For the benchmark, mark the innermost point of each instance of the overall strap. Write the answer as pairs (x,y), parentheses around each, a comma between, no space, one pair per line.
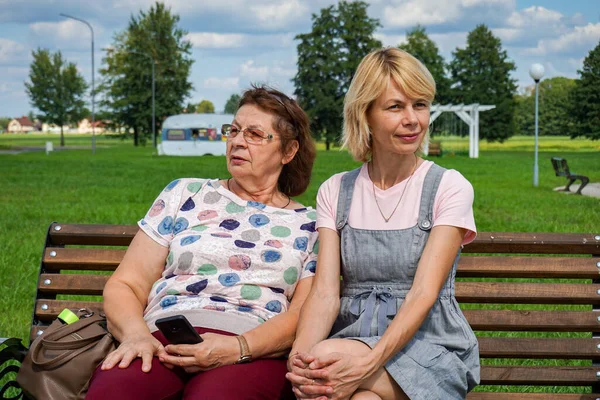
(430,187)
(345,197)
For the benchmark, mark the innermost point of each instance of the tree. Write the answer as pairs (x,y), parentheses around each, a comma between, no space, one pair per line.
(481,74)
(585,101)
(327,58)
(419,45)
(205,107)
(152,36)
(190,108)
(231,106)
(554,113)
(4,121)
(56,89)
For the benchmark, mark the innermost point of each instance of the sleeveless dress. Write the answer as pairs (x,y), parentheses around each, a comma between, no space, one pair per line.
(378,268)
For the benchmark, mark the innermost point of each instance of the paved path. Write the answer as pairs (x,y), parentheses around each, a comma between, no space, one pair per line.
(591,189)
(19,150)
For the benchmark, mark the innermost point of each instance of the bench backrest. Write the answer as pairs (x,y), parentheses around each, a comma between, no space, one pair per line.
(531,297)
(560,167)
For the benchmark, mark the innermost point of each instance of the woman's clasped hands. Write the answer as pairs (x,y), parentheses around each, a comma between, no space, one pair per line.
(332,376)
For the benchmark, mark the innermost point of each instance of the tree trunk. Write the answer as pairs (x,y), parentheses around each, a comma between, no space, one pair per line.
(62,137)
(135,136)
(327,143)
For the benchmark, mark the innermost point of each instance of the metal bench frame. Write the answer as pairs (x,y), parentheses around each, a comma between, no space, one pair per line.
(561,168)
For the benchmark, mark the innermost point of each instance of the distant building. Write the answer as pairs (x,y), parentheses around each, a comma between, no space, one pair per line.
(53,128)
(20,125)
(85,126)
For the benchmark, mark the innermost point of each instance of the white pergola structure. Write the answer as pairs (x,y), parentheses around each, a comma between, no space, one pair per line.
(470,115)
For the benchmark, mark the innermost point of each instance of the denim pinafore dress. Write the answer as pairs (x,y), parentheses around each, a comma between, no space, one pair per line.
(378,267)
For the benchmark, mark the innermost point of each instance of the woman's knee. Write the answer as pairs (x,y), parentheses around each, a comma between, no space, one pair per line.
(132,383)
(364,395)
(339,346)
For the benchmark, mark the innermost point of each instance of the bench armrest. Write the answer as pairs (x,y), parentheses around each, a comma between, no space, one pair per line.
(13,350)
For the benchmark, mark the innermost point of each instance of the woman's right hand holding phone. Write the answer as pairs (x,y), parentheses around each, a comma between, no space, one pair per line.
(144,346)
(216,350)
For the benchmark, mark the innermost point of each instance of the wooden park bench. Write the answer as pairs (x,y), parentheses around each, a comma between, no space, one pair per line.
(561,168)
(435,149)
(533,299)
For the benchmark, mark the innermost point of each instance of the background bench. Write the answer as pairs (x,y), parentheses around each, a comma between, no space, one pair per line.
(533,298)
(561,168)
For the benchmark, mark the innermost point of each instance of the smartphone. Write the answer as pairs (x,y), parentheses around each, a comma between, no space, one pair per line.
(178,330)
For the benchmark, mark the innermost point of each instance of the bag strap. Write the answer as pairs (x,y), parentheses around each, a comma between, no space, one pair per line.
(69,329)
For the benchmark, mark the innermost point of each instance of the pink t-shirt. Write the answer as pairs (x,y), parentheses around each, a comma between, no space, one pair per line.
(453,203)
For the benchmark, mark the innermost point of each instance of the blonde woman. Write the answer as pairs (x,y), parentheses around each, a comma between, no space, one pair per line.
(393,229)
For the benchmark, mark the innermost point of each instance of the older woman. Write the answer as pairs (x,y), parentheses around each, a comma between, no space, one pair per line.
(235,256)
(394,228)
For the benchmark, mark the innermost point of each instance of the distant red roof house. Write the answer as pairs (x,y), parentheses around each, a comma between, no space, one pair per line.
(19,125)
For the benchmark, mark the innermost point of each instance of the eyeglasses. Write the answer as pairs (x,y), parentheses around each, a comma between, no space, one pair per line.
(251,135)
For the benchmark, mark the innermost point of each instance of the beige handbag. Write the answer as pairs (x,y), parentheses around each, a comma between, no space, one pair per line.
(61,361)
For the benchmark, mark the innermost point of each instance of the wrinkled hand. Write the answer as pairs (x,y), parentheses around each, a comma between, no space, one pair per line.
(216,350)
(307,383)
(342,372)
(144,346)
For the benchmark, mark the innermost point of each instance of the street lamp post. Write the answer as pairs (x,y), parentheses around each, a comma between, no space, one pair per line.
(536,72)
(93,89)
(153,90)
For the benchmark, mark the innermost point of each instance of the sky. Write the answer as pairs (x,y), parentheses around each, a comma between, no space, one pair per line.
(238,42)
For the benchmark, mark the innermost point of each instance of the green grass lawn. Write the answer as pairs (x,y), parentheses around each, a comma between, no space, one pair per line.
(118,184)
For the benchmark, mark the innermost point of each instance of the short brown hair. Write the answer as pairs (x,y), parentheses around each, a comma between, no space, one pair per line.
(292,123)
(369,82)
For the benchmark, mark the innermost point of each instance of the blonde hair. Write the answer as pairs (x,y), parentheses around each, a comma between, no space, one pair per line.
(370,81)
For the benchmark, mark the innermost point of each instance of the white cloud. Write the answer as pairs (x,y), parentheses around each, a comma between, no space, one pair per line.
(254,73)
(390,40)
(213,40)
(64,34)
(276,15)
(580,38)
(408,13)
(12,52)
(508,34)
(222,83)
(534,16)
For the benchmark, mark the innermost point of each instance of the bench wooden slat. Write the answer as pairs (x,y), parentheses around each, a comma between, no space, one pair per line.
(538,321)
(539,376)
(90,234)
(535,243)
(472,292)
(527,293)
(511,347)
(486,242)
(483,320)
(72,284)
(528,267)
(54,307)
(57,259)
(529,396)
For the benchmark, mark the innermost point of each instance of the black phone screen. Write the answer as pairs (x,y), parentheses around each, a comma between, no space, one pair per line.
(178,330)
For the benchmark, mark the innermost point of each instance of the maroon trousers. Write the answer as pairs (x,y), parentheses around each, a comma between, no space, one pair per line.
(261,379)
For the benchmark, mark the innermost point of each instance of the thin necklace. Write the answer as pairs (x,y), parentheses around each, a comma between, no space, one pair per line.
(386,219)
(288,197)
